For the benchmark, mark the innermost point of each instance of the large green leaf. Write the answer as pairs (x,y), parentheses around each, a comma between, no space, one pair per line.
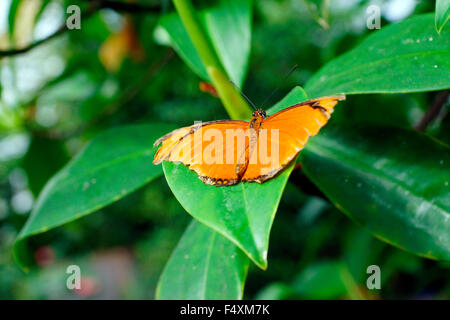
(404,57)
(204,265)
(393,181)
(442,14)
(244,212)
(171,32)
(228,24)
(114,164)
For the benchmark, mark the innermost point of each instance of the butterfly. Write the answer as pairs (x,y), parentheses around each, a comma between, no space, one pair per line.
(226,152)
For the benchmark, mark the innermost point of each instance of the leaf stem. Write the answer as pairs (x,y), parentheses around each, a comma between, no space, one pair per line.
(233,102)
(94,6)
(434,110)
(354,292)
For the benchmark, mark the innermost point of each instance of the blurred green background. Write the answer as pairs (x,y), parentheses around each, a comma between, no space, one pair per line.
(59,95)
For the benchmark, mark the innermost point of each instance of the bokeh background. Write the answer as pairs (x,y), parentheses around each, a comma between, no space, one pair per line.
(60,94)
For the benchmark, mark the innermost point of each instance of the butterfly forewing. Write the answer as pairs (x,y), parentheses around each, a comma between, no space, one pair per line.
(287,133)
(212,149)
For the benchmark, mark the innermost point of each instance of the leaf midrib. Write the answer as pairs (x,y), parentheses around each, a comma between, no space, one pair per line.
(208,259)
(246,206)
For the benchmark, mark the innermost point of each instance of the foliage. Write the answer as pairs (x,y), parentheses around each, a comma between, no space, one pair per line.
(120,89)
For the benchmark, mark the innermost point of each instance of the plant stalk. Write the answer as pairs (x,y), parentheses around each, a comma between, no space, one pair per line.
(234,103)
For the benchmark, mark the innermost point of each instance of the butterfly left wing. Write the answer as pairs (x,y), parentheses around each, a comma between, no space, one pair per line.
(287,132)
(190,145)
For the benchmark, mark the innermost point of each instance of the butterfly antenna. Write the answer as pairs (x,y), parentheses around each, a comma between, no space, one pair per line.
(282,82)
(246,98)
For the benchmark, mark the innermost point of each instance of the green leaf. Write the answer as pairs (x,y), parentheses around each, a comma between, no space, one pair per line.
(228,24)
(322,280)
(114,164)
(170,32)
(442,14)
(204,265)
(404,57)
(296,95)
(229,27)
(392,181)
(244,212)
(232,100)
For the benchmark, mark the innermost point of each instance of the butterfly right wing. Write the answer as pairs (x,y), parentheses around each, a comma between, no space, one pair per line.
(292,128)
(201,147)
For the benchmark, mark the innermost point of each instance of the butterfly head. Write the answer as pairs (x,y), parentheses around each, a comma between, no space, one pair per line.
(260,113)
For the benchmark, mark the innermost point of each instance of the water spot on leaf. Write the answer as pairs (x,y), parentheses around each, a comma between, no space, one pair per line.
(228,204)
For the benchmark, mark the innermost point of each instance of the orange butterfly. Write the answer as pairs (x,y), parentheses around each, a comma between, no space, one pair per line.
(226,152)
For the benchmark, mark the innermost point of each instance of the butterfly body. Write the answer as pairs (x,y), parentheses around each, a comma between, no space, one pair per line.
(226,152)
(257,119)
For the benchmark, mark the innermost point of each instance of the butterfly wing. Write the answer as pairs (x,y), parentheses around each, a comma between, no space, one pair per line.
(206,149)
(287,132)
